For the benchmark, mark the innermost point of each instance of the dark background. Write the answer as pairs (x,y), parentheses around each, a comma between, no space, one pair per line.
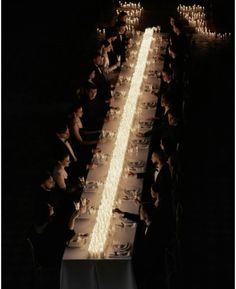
(44,48)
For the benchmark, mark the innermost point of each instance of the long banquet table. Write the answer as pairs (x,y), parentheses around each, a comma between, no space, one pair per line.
(79,270)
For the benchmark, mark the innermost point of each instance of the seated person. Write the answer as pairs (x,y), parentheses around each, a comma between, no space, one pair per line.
(171,34)
(62,178)
(107,68)
(100,80)
(149,247)
(44,202)
(174,129)
(161,120)
(176,64)
(169,147)
(121,43)
(50,244)
(122,16)
(180,41)
(172,88)
(111,36)
(157,172)
(88,76)
(83,141)
(93,108)
(60,142)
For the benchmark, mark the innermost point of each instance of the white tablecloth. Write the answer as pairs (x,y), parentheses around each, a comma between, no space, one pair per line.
(78,271)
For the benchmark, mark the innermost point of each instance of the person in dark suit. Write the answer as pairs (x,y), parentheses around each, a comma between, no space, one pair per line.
(171,35)
(160,120)
(83,141)
(180,41)
(169,147)
(122,16)
(121,42)
(174,130)
(149,246)
(50,244)
(53,222)
(44,202)
(157,172)
(61,145)
(176,64)
(100,80)
(94,111)
(172,88)
(111,36)
(88,76)
(60,142)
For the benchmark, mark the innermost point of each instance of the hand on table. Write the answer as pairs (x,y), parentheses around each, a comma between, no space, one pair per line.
(51,210)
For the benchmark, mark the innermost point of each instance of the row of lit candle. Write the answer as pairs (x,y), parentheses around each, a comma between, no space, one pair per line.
(196,16)
(133,21)
(104,215)
(131,13)
(130,28)
(130,5)
(195,8)
(101,31)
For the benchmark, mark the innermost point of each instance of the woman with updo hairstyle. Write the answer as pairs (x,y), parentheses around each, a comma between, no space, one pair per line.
(77,133)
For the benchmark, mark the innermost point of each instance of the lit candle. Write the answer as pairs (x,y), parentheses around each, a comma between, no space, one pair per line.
(101,228)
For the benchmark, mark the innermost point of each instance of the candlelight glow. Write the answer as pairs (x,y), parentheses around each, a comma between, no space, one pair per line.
(133,10)
(196,18)
(100,230)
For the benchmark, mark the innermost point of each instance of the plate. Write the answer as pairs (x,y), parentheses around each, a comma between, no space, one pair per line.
(148,88)
(100,159)
(148,105)
(78,241)
(90,211)
(105,134)
(117,95)
(125,224)
(92,185)
(132,192)
(146,124)
(119,254)
(136,164)
(141,141)
(122,247)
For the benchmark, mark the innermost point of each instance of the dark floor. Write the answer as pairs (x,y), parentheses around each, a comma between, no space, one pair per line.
(44,47)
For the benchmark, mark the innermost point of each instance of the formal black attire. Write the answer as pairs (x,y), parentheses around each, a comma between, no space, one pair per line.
(174,91)
(77,167)
(112,57)
(180,42)
(155,175)
(119,46)
(94,114)
(103,86)
(41,199)
(50,244)
(149,250)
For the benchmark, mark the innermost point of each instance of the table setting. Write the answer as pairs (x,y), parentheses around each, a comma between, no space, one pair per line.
(109,237)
